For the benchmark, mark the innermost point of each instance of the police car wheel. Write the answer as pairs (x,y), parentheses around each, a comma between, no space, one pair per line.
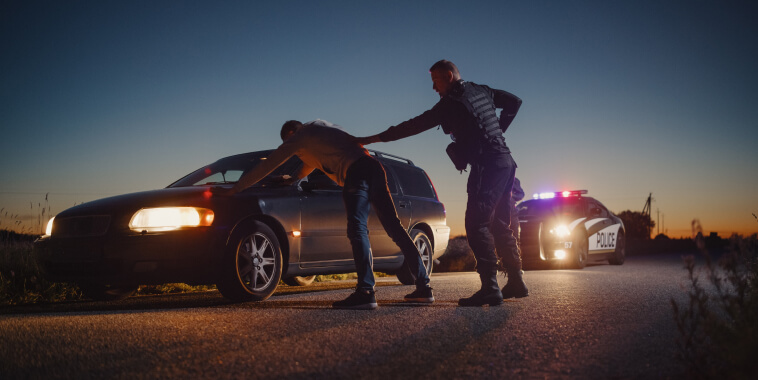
(579,257)
(619,255)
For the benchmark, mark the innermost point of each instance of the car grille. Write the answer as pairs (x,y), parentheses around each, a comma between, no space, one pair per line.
(80,226)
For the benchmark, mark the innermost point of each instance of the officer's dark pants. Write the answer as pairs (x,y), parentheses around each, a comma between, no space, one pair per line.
(488,216)
(366,186)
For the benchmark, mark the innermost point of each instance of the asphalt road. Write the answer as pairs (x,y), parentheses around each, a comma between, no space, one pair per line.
(601,322)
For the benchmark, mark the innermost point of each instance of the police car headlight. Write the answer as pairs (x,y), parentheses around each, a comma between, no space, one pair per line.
(560,254)
(560,231)
(49,227)
(170,218)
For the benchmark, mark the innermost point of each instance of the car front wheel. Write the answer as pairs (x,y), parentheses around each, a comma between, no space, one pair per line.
(581,250)
(252,267)
(424,246)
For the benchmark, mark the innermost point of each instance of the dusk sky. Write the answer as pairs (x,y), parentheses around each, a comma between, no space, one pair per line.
(101,98)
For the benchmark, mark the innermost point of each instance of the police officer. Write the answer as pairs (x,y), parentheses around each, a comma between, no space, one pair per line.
(466,112)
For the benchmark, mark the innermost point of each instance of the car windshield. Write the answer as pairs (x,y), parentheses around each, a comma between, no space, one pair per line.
(551,207)
(229,170)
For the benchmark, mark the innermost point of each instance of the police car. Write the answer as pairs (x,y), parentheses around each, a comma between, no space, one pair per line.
(569,229)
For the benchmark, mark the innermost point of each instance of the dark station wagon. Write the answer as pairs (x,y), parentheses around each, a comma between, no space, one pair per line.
(245,243)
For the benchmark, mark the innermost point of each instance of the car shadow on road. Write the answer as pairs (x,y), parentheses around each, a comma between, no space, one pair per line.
(138,303)
(327,304)
(207,299)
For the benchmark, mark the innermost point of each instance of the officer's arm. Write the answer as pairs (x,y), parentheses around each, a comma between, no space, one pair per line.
(509,103)
(418,124)
(414,126)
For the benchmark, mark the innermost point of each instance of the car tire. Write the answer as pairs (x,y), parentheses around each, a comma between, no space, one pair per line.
(252,266)
(100,292)
(581,251)
(619,255)
(424,245)
(299,280)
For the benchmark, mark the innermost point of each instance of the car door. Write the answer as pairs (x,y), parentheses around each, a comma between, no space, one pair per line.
(601,229)
(324,239)
(381,244)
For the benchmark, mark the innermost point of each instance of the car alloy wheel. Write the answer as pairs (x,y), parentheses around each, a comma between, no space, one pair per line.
(299,280)
(581,251)
(253,266)
(424,247)
(256,262)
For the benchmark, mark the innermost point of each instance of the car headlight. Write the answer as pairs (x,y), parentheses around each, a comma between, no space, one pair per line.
(170,218)
(49,228)
(560,231)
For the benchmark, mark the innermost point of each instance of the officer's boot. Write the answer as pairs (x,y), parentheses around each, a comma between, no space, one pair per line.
(489,294)
(515,287)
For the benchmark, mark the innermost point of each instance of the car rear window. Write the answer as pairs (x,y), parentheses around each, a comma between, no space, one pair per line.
(413,181)
(391,182)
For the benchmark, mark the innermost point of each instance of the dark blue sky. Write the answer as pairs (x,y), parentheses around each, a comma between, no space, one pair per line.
(620,98)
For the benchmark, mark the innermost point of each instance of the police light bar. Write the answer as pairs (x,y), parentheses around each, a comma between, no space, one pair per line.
(564,194)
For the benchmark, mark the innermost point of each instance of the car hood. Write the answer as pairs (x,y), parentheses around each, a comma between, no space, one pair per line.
(184,196)
(173,196)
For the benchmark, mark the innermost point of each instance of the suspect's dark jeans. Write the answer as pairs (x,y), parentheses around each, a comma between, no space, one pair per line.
(366,186)
(488,216)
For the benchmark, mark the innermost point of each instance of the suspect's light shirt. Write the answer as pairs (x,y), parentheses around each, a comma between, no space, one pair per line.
(319,144)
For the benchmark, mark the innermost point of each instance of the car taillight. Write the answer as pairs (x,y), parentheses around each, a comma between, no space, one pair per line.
(433,189)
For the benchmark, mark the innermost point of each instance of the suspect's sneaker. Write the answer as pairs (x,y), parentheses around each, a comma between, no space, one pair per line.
(421,295)
(360,300)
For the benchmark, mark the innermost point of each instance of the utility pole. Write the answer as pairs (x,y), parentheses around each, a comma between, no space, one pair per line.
(646,212)
(657,221)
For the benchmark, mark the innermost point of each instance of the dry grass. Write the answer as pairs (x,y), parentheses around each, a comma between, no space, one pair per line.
(21,281)
(718,322)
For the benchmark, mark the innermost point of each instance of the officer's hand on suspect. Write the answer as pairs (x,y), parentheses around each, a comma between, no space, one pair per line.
(368,140)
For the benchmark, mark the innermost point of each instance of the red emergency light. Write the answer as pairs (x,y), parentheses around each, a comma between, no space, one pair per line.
(564,194)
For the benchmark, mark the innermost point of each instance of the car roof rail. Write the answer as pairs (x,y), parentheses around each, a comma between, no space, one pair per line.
(379,154)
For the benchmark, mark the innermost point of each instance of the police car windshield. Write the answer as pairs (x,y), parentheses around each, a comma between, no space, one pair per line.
(551,207)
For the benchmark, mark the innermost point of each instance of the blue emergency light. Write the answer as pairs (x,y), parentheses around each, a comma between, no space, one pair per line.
(564,194)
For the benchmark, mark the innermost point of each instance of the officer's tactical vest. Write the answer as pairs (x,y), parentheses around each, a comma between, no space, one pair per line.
(478,101)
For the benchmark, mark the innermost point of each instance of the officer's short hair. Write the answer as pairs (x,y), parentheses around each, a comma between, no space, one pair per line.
(290,126)
(445,65)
